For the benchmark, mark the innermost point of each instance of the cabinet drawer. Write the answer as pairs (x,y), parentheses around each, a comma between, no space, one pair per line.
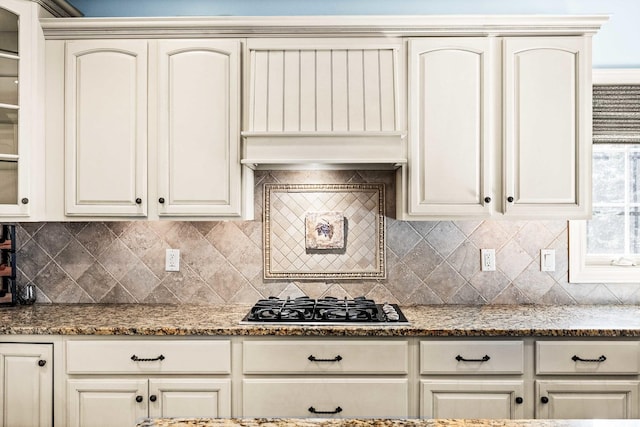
(344,398)
(167,357)
(471,357)
(325,356)
(586,357)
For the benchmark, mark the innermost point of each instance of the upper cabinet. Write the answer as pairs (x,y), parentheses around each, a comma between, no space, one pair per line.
(547,126)
(499,126)
(152,128)
(481,116)
(106,128)
(18,111)
(198,127)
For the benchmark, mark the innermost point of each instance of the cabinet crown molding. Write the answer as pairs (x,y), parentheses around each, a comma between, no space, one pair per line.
(236,26)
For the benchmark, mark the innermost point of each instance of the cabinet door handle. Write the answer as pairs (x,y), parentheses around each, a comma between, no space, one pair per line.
(315,359)
(487,199)
(161,200)
(510,199)
(42,362)
(25,201)
(139,399)
(315,411)
(140,359)
(139,200)
(580,359)
(519,400)
(544,399)
(485,358)
(153,398)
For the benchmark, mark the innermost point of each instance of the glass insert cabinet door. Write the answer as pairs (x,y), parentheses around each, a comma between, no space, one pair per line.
(12,202)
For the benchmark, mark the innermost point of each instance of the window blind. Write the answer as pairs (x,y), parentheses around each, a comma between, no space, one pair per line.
(616,114)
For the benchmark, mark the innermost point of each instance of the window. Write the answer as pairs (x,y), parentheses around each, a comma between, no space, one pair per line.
(607,248)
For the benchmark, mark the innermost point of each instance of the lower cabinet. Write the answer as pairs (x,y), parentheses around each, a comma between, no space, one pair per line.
(120,402)
(339,378)
(452,386)
(115,382)
(472,399)
(26,385)
(581,399)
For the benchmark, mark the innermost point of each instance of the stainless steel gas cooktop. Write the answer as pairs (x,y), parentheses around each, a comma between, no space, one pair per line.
(324,311)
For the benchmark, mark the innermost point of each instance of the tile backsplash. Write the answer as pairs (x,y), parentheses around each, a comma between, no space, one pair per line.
(221,261)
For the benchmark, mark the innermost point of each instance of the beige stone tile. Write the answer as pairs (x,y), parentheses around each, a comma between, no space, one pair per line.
(511,295)
(226,281)
(467,227)
(183,283)
(139,238)
(73,295)
(53,237)
(313,289)
(423,259)
(57,285)
(512,260)
(533,282)
(402,281)
(75,259)
(31,259)
(401,238)
(154,258)
(204,227)
(96,237)
(445,281)
(229,239)
(182,234)
(161,295)
(423,295)
(337,291)
(359,288)
(381,294)
(246,295)
(423,227)
(533,237)
(117,227)
(465,260)
(97,282)
(31,228)
(203,294)
(203,258)
(467,294)
(510,227)
(557,296)
(489,235)
(139,281)
(489,284)
(118,295)
(75,227)
(22,237)
(162,228)
(291,291)
(117,259)
(556,227)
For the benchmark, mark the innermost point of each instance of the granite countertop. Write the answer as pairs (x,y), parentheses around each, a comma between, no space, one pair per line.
(426,320)
(209,422)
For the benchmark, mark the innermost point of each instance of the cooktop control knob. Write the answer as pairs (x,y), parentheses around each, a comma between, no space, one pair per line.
(390,312)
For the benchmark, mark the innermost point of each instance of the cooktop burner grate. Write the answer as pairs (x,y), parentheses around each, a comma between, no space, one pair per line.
(328,310)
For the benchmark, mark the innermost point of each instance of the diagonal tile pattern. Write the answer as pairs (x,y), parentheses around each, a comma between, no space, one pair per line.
(427,262)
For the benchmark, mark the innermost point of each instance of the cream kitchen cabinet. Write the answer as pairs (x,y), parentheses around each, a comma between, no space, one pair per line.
(325,378)
(26,385)
(21,112)
(499,126)
(583,384)
(106,127)
(472,379)
(151,127)
(116,382)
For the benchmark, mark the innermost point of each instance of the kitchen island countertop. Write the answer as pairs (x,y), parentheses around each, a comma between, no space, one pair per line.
(224,319)
(210,422)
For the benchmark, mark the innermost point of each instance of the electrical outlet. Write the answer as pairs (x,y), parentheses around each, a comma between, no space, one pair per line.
(172,261)
(547,260)
(488,259)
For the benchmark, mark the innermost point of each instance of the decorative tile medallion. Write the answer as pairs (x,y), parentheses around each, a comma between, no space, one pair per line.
(324,231)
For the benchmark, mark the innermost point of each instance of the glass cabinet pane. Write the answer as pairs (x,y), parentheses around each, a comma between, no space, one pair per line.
(8,80)
(9,32)
(8,182)
(8,131)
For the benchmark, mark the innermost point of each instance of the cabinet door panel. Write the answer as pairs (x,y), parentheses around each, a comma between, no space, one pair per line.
(587,399)
(26,388)
(190,398)
(106,125)
(471,399)
(106,402)
(449,135)
(199,168)
(547,141)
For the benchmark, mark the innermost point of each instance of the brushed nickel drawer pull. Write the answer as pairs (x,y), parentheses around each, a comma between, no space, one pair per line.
(485,358)
(140,359)
(315,411)
(580,359)
(315,359)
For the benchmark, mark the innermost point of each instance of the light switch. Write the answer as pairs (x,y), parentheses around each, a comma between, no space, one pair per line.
(547,260)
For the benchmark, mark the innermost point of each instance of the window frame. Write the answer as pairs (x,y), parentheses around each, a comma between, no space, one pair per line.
(580,271)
